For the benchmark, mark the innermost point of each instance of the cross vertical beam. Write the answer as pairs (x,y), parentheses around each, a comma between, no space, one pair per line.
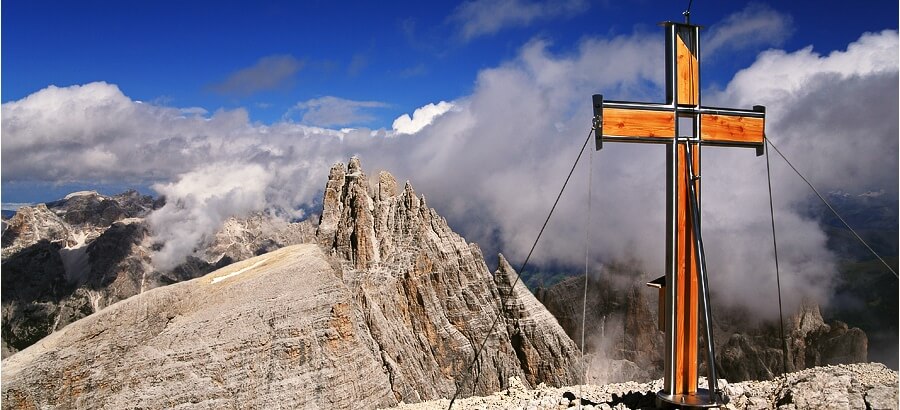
(684,125)
(683,77)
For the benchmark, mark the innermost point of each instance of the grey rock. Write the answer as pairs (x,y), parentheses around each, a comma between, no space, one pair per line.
(542,347)
(881,398)
(257,334)
(829,387)
(259,233)
(429,297)
(31,225)
(95,210)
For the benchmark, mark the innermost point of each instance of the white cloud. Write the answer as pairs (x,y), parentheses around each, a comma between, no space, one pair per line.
(483,17)
(494,163)
(757,25)
(331,111)
(422,117)
(200,201)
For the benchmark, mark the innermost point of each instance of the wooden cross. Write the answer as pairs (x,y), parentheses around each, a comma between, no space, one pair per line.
(684,126)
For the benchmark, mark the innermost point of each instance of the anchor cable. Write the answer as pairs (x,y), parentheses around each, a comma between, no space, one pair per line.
(832,209)
(518,277)
(784,350)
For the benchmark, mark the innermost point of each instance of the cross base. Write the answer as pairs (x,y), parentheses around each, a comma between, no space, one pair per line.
(702,399)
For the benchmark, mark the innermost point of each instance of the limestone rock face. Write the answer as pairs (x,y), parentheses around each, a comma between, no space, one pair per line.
(31,225)
(243,238)
(816,343)
(532,331)
(429,297)
(257,334)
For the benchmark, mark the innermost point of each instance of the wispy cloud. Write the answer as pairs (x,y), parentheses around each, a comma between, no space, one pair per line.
(331,111)
(477,18)
(414,71)
(268,73)
(757,25)
(357,64)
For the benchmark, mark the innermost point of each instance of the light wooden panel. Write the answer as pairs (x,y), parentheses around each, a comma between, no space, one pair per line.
(638,123)
(687,296)
(733,129)
(688,71)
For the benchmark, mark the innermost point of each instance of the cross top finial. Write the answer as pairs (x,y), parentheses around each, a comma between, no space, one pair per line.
(687,13)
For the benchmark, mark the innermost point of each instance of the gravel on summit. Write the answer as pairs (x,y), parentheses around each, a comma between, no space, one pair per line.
(853,386)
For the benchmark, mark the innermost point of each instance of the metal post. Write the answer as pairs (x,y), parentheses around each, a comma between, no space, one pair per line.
(672,220)
(704,286)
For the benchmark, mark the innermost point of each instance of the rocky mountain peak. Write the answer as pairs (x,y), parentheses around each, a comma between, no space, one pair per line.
(423,283)
(31,225)
(357,221)
(93,209)
(808,318)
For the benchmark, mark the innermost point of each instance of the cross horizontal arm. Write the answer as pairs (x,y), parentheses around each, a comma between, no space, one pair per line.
(729,127)
(622,121)
(637,122)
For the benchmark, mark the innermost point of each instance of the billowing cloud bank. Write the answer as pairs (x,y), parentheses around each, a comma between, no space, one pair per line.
(494,163)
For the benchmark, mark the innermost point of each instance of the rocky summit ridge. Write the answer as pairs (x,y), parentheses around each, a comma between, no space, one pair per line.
(389,306)
(869,386)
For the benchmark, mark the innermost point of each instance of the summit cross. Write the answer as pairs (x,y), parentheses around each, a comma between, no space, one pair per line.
(684,126)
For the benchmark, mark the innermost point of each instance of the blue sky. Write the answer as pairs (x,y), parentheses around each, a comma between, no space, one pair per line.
(233,108)
(401,55)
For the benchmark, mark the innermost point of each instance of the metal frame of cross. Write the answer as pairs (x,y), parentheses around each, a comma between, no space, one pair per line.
(685,287)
